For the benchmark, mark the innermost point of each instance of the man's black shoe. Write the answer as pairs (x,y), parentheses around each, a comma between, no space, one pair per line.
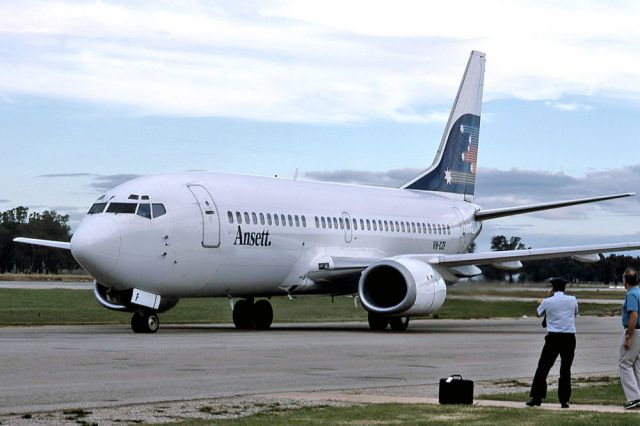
(632,404)
(564,404)
(533,402)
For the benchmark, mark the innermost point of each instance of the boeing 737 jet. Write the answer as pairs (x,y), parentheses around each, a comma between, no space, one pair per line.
(154,240)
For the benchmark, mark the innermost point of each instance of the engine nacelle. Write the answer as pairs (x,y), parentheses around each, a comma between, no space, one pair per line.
(401,287)
(120,300)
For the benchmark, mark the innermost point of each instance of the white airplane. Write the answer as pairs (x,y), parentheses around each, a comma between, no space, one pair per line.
(154,240)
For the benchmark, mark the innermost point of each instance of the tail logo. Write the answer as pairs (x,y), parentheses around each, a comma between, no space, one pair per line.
(466,172)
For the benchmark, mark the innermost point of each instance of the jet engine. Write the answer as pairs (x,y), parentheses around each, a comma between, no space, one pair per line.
(401,287)
(120,300)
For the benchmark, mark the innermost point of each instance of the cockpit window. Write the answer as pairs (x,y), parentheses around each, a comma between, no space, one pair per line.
(144,210)
(122,208)
(133,197)
(158,210)
(97,208)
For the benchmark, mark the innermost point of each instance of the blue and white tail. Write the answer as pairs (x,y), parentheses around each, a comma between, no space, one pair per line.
(454,168)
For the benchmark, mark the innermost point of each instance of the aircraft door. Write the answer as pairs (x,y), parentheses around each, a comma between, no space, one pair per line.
(348,229)
(463,228)
(210,216)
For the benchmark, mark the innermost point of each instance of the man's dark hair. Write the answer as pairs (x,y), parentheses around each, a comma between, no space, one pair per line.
(559,284)
(630,276)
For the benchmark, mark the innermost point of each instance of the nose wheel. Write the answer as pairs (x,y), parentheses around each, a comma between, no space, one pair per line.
(144,322)
(248,315)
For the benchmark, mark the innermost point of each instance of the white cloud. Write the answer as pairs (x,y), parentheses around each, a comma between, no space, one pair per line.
(311,61)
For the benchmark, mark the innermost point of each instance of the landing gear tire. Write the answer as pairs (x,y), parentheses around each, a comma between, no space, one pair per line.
(262,315)
(377,323)
(399,323)
(144,322)
(242,313)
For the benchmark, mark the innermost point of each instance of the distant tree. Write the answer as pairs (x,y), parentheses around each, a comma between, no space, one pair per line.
(502,243)
(47,225)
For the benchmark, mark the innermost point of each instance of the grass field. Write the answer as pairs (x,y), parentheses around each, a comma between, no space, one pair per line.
(387,414)
(607,391)
(40,307)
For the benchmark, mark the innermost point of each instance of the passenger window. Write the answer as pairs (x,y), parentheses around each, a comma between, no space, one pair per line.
(429,227)
(324,223)
(239,217)
(276,220)
(413,227)
(97,208)
(297,220)
(391,223)
(304,221)
(255,218)
(402,223)
(439,229)
(368,225)
(341,223)
(229,215)
(347,224)
(362,224)
(335,223)
(419,229)
(424,229)
(261,218)
(386,226)
(158,210)
(329,223)
(144,210)
(317,222)
(290,220)
(448,230)
(122,208)
(355,224)
(269,218)
(246,218)
(283,221)
(375,225)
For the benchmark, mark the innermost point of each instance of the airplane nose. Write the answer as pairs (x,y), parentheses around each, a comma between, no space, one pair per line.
(96,244)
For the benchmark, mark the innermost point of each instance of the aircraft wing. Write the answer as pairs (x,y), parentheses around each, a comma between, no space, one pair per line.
(452,260)
(344,273)
(511,211)
(46,243)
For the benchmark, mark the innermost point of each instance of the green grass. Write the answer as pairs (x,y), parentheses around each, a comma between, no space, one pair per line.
(423,415)
(58,306)
(608,393)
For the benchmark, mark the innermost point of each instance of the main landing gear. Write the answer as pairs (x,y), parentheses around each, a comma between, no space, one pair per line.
(248,315)
(379,323)
(144,322)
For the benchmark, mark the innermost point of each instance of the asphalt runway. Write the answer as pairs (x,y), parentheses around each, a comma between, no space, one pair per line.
(56,367)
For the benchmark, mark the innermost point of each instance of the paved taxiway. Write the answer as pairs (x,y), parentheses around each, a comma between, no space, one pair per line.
(45,368)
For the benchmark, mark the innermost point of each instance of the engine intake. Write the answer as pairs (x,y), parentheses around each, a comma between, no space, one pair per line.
(400,287)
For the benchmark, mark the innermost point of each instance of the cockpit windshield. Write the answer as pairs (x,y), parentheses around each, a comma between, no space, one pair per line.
(146,210)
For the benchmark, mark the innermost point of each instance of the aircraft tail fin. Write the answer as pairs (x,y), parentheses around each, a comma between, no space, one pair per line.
(454,169)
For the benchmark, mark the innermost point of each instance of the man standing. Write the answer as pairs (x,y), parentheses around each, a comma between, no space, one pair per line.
(560,311)
(630,346)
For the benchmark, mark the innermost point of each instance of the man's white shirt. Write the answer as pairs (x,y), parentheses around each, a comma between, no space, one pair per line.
(561,311)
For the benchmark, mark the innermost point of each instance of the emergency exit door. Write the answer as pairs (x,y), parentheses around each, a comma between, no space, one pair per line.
(210,217)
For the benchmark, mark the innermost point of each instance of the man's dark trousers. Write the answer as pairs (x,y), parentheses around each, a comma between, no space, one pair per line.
(563,344)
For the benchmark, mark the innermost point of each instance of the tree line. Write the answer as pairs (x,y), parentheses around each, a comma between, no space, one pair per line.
(23,258)
(608,271)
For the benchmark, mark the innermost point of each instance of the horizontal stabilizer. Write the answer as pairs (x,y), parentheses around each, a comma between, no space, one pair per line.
(46,243)
(511,211)
(494,257)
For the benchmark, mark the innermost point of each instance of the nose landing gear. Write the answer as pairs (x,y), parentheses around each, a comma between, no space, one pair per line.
(248,315)
(144,322)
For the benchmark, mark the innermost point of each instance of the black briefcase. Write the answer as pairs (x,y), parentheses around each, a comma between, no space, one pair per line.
(455,390)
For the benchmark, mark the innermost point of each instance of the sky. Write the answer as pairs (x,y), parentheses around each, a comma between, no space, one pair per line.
(93,93)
